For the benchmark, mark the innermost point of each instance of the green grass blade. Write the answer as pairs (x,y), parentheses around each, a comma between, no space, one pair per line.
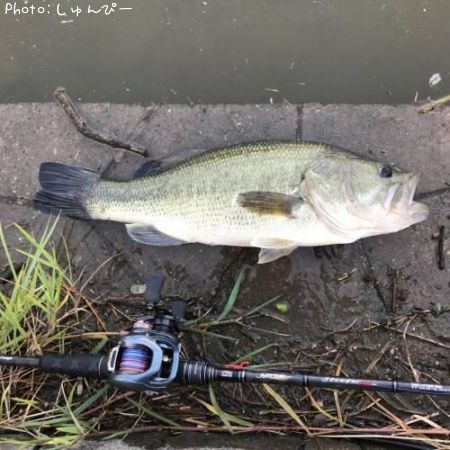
(211,334)
(118,434)
(215,409)
(233,295)
(99,346)
(262,305)
(90,401)
(249,355)
(7,254)
(218,409)
(151,413)
(285,405)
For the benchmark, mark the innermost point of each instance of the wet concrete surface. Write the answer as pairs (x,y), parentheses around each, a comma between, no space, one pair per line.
(337,296)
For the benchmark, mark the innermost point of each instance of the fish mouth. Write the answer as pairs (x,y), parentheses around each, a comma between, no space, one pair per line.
(401,202)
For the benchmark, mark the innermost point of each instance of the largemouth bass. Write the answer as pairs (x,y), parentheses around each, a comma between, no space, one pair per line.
(273,195)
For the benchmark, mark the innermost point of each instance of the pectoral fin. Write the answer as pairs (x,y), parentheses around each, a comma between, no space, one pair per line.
(146,234)
(273,203)
(271,254)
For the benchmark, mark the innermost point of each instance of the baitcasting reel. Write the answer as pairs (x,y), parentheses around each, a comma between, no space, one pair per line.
(147,359)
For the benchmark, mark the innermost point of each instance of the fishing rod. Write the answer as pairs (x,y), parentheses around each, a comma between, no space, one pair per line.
(147,359)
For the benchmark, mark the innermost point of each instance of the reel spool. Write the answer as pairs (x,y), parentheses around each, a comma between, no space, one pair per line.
(135,360)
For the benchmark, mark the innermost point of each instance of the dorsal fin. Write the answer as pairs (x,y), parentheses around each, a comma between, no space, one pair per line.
(155,166)
(148,168)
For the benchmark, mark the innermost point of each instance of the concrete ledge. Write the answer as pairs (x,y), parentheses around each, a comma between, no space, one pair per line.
(310,280)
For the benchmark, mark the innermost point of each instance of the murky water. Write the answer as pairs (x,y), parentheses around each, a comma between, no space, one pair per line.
(234,51)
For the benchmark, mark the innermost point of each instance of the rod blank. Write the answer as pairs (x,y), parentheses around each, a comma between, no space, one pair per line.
(200,373)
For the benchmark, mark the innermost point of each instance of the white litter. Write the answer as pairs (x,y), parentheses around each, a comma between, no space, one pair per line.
(435,79)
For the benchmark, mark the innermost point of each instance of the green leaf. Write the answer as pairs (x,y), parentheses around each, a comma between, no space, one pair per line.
(282,308)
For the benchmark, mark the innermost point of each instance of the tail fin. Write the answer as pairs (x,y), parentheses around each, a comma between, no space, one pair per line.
(65,189)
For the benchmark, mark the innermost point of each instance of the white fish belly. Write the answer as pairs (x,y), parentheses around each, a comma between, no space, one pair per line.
(250,230)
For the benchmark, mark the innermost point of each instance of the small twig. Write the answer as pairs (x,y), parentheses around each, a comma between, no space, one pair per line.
(125,300)
(342,330)
(440,250)
(434,104)
(378,357)
(385,412)
(80,124)
(441,410)
(336,397)
(315,431)
(94,311)
(112,399)
(94,273)
(420,338)
(394,290)
(94,334)
(408,355)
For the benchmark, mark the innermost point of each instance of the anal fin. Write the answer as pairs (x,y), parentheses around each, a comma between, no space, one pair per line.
(271,254)
(273,248)
(146,234)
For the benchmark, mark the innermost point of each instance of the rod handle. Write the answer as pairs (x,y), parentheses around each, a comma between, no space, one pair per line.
(89,366)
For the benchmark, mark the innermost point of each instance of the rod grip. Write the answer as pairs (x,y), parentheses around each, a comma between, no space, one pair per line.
(89,366)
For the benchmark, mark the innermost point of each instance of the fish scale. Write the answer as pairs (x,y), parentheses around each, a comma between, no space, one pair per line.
(206,185)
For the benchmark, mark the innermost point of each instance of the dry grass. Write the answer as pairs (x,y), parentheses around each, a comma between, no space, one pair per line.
(42,310)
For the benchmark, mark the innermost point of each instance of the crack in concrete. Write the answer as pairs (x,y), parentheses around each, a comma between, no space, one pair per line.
(109,169)
(372,278)
(111,243)
(16,200)
(228,274)
(299,129)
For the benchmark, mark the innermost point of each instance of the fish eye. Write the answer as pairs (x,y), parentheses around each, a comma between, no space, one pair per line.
(385,171)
